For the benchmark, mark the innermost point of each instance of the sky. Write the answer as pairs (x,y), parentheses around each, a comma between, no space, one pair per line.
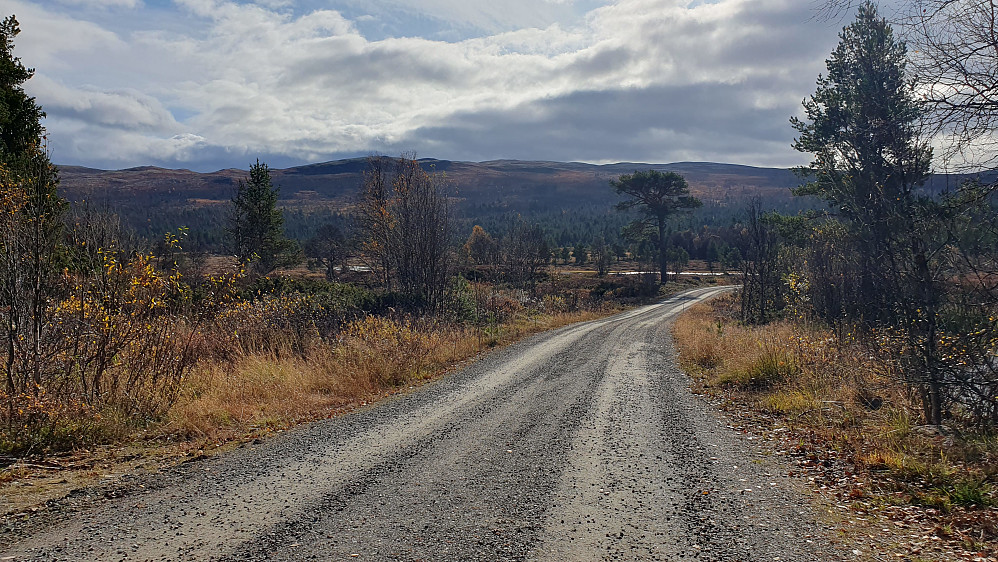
(212,84)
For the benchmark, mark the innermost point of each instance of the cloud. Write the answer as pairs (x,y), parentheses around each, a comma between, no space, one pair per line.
(125,109)
(53,41)
(659,124)
(632,80)
(102,3)
(460,19)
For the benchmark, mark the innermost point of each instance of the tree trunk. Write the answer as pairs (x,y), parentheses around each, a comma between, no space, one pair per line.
(935,403)
(663,265)
(932,399)
(9,368)
(763,272)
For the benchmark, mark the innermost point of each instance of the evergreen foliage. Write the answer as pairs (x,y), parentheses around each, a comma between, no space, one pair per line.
(895,265)
(861,126)
(257,225)
(20,117)
(329,248)
(30,226)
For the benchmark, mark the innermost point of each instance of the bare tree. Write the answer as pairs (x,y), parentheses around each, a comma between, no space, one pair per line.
(405,217)
(374,216)
(956,67)
(525,251)
(422,231)
(760,278)
(481,248)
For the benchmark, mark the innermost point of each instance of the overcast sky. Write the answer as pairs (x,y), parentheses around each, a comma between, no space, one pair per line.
(210,84)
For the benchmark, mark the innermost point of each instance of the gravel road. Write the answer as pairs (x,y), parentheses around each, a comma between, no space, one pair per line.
(583,443)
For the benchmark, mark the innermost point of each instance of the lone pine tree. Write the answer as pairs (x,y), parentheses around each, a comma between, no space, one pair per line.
(657,196)
(257,225)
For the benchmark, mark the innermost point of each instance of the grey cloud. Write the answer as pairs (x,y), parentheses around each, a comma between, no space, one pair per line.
(96,148)
(656,124)
(119,110)
(641,80)
(601,62)
(374,67)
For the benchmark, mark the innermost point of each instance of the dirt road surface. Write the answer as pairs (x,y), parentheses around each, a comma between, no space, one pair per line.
(583,443)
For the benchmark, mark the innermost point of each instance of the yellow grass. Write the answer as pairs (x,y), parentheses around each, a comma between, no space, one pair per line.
(805,379)
(374,356)
(786,368)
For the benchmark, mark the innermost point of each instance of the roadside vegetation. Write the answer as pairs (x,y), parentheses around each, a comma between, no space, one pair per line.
(143,344)
(864,341)
(848,424)
(864,338)
(108,338)
(283,359)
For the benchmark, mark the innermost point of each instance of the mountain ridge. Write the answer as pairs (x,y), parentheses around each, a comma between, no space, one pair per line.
(339,180)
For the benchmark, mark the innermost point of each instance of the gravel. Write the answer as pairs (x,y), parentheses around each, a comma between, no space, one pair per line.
(583,443)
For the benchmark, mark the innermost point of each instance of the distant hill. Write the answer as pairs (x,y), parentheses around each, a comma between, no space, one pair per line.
(510,183)
(572,200)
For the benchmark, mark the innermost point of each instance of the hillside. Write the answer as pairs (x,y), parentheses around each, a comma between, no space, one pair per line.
(508,183)
(572,200)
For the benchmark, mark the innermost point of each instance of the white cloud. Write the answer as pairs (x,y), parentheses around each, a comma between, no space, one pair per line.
(124,109)
(102,3)
(51,40)
(260,79)
(473,16)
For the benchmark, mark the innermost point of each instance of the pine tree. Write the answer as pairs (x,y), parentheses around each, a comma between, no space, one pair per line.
(257,225)
(30,223)
(658,196)
(862,129)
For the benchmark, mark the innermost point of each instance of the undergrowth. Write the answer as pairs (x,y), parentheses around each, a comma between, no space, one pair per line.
(836,392)
(277,352)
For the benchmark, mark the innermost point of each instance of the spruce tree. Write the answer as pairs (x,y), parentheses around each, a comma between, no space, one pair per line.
(257,225)
(30,223)
(20,117)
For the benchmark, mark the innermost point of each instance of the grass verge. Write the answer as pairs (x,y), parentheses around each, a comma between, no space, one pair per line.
(853,431)
(375,356)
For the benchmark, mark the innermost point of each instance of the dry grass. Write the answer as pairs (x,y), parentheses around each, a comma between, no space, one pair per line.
(843,405)
(809,381)
(374,356)
(244,394)
(726,354)
(791,370)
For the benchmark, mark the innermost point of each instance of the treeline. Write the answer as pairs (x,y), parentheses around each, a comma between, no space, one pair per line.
(570,227)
